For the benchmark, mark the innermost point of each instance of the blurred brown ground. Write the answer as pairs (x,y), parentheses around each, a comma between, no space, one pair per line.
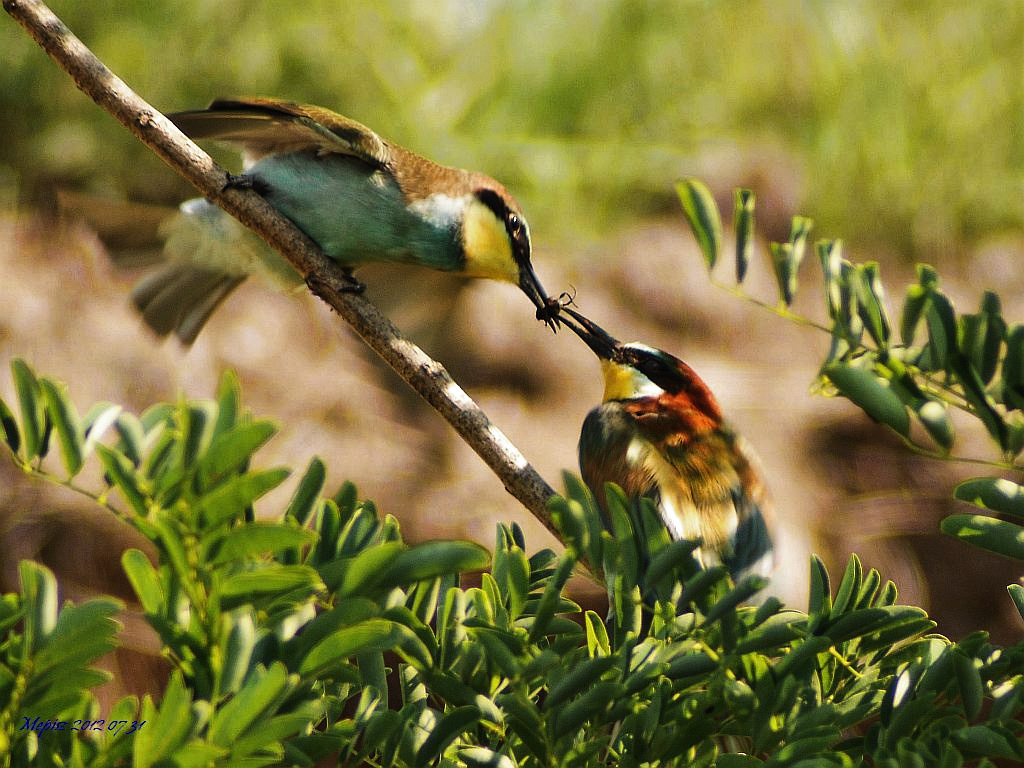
(840,483)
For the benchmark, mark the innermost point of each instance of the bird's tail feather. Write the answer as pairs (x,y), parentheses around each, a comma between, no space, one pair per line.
(204,254)
(181,298)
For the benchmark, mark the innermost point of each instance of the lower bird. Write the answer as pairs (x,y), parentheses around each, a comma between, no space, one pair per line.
(360,197)
(660,434)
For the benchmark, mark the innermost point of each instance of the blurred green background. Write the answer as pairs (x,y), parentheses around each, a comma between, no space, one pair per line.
(896,125)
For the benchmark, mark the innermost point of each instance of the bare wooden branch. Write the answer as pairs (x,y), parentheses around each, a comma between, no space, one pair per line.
(324,277)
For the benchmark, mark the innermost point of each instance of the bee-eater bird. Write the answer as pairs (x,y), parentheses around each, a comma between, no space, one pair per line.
(659,433)
(360,197)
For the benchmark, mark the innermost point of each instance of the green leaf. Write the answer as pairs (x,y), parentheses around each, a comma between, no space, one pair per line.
(934,417)
(370,636)
(1012,375)
(513,577)
(771,635)
(432,559)
(787,257)
(260,694)
(972,690)
(913,308)
(39,587)
(524,720)
(269,579)
(800,228)
(597,636)
(481,757)
(121,473)
(738,761)
(677,556)
(849,586)
(246,542)
(583,676)
(940,318)
(451,725)
(697,664)
(1017,595)
(83,633)
(274,736)
(133,437)
(784,265)
(988,740)
(820,600)
(33,418)
(304,500)
(590,706)
(231,450)
(64,417)
(229,398)
(981,402)
(871,303)
(144,581)
(167,728)
(702,214)
(550,599)
(871,394)
(830,255)
(995,493)
(994,535)
(237,640)
(97,421)
(230,499)
(361,573)
(865,621)
(744,223)
(981,336)
(9,427)
(741,593)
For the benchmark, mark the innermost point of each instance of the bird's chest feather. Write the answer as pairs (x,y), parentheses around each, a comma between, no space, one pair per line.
(682,460)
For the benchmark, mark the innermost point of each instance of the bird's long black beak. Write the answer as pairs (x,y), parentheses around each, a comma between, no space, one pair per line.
(594,336)
(530,285)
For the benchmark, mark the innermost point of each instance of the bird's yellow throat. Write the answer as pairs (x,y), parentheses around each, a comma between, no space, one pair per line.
(623,382)
(486,245)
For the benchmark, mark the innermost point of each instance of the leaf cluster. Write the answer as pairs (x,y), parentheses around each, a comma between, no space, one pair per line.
(321,635)
(914,373)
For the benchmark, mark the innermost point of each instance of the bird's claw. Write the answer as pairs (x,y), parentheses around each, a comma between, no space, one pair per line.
(242,181)
(353,285)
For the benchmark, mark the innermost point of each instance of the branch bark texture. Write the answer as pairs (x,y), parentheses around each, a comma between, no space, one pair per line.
(323,276)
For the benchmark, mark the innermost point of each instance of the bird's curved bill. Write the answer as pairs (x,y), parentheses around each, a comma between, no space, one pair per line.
(594,336)
(530,285)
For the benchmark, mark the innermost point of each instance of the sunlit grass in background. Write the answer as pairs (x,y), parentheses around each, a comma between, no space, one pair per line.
(899,125)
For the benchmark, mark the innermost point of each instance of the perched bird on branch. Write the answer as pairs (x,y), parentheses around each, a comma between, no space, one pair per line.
(360,197)
(659,433)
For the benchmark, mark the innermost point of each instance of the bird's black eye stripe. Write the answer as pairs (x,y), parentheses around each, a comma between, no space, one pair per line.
(514,225)
(493,200)
(656,370)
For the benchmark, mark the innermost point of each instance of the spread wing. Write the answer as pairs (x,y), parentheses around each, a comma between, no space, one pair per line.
(260,127)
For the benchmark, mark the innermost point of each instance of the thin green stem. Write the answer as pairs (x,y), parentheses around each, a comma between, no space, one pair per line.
(778,309)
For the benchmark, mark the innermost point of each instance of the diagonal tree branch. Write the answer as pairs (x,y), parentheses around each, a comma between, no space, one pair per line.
(323,276)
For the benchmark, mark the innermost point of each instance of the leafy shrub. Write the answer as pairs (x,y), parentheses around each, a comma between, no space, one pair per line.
(940,362)
(320,634)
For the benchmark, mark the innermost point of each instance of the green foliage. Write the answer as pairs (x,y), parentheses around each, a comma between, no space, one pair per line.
(905,116)
(940,362)
(320,635)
